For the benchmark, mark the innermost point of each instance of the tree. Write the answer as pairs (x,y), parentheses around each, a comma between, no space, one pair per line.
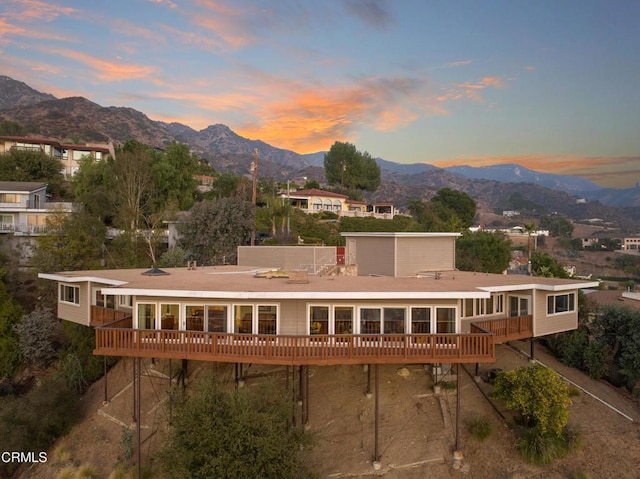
(544,265)
(529,228)
(483,252)
(345,166)
(213,230)
(93,186)
(39,336)
(459,202)
(72,242)
(24,165)
(173,174)
(538,394)
(10,314)
(133,186)
(559,226)
(242,434)
(11,128)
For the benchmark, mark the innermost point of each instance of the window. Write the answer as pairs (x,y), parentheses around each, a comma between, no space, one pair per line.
(370,320)
(421,320)
(126,300)
(9,198)
(195,318)
(499,303)
(105,300)
(243,319)
(445,320)
(394,320)
(169,316)
(146,316)
(561,303)
(518,306)
(217,319)
(69,294)
(343,319)
(319,320)
(267,319)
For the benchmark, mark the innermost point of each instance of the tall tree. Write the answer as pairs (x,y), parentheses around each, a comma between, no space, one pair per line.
(214,229)
(173,174)
(346,166)
(133,186)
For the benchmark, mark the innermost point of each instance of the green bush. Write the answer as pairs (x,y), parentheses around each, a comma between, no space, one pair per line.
(542,448)
(480,429)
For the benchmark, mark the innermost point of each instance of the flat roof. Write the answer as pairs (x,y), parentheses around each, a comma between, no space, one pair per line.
(401,234)
(240,282)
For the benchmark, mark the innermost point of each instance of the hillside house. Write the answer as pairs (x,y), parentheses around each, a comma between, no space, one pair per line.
(25,206)
(315,201)
(407,304)
(403,302)
(69,154)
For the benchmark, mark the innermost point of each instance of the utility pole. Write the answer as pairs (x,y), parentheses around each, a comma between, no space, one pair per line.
(254,169)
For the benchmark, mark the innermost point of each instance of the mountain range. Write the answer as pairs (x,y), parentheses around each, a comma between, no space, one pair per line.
(78,120)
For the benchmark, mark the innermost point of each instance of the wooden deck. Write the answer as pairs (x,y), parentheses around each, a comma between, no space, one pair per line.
(507,329)
(119,339)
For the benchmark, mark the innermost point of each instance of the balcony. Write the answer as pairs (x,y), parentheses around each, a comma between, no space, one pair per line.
(506,329)
(119,339)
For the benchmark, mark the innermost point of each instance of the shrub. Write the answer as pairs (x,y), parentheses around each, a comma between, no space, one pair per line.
(39,336)
(538,394)
(542,448)
(480,429)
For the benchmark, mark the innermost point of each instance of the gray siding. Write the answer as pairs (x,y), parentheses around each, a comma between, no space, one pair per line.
(414,255)
(375,256)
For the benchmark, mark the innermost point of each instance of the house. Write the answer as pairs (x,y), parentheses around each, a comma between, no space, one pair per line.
(68,153)
(25,206)
(315,201)
(402,302)
(406,304)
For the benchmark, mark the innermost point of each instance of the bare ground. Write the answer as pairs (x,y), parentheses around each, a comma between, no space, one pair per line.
(416,428)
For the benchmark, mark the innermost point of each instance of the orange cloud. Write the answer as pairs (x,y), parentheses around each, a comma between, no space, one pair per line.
(107,70)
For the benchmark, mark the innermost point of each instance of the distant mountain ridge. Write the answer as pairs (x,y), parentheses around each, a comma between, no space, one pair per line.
(77,119)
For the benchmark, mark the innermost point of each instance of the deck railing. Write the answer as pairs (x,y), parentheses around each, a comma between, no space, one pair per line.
(506,329)
(297,350)
(101,316)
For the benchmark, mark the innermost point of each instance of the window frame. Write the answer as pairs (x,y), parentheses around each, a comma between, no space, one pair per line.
(62,297)
(553,307)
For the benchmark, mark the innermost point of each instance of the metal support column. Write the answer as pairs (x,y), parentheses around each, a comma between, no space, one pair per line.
(138,439)
(106,397)
(531,343)
(376,456)
(368,393)
(133,370)
(293,396)
(457,407)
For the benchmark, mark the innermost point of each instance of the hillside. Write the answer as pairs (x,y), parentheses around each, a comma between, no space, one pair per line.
(77,120)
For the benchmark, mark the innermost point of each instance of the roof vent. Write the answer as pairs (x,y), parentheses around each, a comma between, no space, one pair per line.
(155,272)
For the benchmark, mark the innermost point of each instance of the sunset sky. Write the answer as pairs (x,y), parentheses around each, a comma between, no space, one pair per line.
(551,85)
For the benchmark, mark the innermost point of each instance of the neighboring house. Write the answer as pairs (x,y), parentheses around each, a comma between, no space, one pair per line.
(315,201)
(631,244)
(407,304)
(69,154)
(25,206)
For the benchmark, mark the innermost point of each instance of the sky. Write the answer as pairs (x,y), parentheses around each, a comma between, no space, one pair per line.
(552,85)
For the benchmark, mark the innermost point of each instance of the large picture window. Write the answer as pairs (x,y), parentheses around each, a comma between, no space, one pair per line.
(421,320)
(343,319)
(146,316)
(561,303)
(69,294)
(445,320)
